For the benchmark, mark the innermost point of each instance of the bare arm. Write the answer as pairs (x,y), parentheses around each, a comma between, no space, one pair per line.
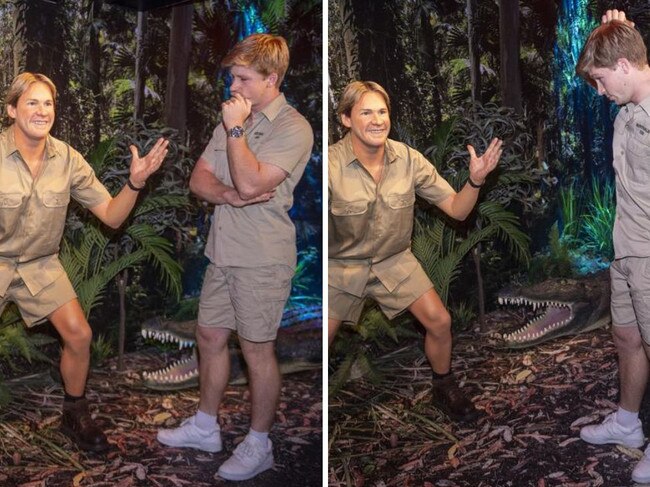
(251,177)
(460,205)
(206,186)
(114,211)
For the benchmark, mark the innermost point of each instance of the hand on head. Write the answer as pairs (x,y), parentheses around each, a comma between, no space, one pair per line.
(615,15)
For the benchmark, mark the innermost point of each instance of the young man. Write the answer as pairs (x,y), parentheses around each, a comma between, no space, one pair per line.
(614,61)
(39,174)
(372,183)
(248,171)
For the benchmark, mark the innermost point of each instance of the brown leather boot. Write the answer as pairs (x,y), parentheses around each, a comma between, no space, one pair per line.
(80,427)
(447,396)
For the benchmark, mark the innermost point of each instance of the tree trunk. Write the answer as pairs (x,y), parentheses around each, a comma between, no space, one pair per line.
(476,257)
(509,48)
(93,68)
(122,279)
(474,51)
(19,34)
(178,68)
(349,39)
(140,61)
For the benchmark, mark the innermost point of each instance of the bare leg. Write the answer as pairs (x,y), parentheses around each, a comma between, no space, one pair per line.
(70,322)
(332,328)
(633,365)
(214,366)
(429,310)
(265,380)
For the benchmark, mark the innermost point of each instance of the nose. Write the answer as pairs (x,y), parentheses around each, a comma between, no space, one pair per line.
(376,119)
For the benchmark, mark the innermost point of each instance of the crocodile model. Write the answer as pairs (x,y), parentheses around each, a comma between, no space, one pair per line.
(560,307)
(298,347)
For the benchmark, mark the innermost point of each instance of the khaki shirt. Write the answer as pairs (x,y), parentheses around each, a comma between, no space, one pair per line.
(370,224)
(262,233)
(631,148)
(33,211)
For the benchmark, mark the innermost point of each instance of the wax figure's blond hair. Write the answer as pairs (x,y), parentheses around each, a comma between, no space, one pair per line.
(265,53)
(21,84)
(607,44)
(353,93)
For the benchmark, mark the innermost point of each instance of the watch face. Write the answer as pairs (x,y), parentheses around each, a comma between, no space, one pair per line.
(236,131)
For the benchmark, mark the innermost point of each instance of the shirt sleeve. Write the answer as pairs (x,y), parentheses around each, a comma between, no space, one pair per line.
(216,148)
(289,144)
(429,184)
(85,187)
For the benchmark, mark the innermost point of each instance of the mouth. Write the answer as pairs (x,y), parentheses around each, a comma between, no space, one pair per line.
(41,123)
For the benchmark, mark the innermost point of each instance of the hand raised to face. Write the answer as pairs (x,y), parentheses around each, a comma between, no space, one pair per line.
(235,111)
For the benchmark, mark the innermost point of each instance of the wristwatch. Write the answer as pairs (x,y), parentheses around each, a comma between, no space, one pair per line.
(236,132)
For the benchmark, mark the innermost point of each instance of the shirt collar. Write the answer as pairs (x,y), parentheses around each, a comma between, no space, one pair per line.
(272,110)
(645,104)
(390,154)
(10,144)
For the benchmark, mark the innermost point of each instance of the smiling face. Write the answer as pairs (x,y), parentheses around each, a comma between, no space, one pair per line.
(254,86)
(614,83)
(34,112)
(369,121)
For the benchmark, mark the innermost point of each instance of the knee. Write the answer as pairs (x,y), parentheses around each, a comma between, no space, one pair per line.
(627,338)
(438,323)
(211,340)
(79,336)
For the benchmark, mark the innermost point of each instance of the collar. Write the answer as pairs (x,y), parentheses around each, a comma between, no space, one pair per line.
(390,154)
(10,143)
(645,105)
(272,110)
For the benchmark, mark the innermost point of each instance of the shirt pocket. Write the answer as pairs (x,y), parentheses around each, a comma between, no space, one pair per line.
(10,212)
(348,221)
(55,206)
(400,219)
(638,159)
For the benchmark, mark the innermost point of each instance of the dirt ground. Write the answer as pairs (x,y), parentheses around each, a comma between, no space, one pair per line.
(532,402)
(34,453)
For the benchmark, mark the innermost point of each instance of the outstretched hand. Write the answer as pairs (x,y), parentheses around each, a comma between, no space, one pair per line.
(615,15)
(143,167)
(480,167)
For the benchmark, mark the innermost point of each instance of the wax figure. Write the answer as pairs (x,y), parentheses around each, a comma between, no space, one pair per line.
(39,174)
(373,181)
(248,171)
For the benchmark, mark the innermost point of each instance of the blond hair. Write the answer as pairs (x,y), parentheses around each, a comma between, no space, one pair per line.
(265,53)
(607,44)
(21,84)
(353,93)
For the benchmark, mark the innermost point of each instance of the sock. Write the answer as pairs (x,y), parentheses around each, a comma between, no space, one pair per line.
(263,437)
(436,376)
(626,418)
(205,421)
(72,399)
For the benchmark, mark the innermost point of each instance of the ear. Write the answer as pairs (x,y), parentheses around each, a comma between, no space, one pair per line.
(11,111)
(345,120)
(272,79)
(625,65)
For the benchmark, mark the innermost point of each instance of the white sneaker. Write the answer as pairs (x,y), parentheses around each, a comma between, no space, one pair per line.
(609,431)
(641,472)
(249,459)
(188,435)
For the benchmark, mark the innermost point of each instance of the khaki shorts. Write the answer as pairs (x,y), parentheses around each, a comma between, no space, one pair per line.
(35,309)
(249,301)
(630,282)
(347,308)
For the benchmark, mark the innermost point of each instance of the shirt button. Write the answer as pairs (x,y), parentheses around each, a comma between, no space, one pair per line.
(622,152)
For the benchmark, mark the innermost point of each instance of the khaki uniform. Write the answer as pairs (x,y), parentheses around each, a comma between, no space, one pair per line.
(32,218)
(259,236)
(630,271)
(370,227)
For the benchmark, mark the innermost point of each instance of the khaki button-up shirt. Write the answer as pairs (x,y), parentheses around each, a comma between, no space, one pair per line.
(370,224)
(260,234)
(33,211)
(631,148)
